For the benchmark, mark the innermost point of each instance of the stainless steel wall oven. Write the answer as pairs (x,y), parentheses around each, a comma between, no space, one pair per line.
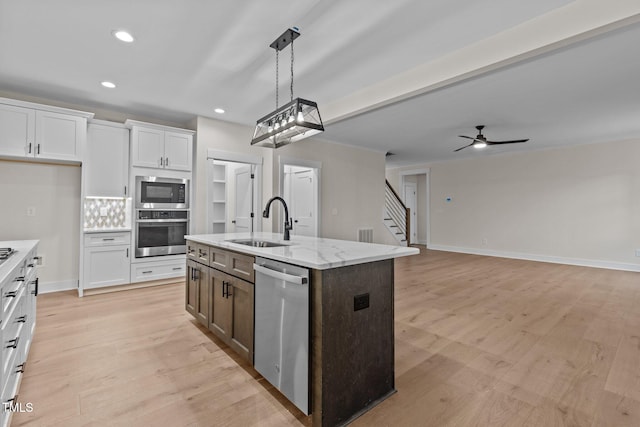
(161,232)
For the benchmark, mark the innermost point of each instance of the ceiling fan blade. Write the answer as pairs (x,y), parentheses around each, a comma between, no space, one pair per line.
(468,137)
(461,148)
(515,141)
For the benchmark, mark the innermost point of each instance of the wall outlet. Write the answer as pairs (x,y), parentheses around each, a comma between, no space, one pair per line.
(31,211)
(40,261)
(638,252)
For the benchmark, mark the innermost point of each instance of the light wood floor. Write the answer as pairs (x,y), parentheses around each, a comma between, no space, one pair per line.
(479,341)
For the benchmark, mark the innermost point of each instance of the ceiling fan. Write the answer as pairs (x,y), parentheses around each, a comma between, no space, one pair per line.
(480,141)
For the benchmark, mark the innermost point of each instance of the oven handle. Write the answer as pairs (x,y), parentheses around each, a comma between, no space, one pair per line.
(162,220)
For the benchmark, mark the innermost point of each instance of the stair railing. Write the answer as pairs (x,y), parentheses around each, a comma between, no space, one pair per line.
(397,212)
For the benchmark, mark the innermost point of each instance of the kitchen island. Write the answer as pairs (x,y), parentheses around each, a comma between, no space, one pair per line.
(350,321)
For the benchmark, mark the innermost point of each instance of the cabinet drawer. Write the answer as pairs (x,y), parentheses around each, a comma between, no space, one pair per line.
(202,254)
(192,250)
(241,265)
(11,293)
(142,272)
(13,337)
(104,239)
(218,258)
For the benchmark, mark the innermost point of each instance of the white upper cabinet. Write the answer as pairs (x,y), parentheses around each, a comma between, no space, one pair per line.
(154,146)
(17,130)
(60,136)
(106,160)
(34,131)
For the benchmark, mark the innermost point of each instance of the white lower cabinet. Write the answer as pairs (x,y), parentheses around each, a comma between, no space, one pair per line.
(106,259)
(156,270)
(18,293)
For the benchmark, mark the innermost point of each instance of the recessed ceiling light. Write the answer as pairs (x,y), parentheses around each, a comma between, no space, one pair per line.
(108,84)
(219,110)
(123,36)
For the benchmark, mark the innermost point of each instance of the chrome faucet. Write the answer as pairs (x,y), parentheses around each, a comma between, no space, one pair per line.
(287,221)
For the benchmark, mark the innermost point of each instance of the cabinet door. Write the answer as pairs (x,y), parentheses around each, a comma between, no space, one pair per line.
(241,332)
(147,147)
(60,136)
(178,151)
(105,266)
(220,309)
(17,131)
(191,284)
(202,301)
(106,161)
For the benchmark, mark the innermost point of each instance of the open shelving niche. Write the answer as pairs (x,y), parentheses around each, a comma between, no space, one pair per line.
(219,197)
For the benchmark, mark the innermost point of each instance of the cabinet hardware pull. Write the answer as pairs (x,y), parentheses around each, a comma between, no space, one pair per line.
(224,286)
(127,252)
(15,343)
(161,161)
(30,265)
(19,279)
(125,190)
(229,287)
(11,294)
(176,268)
(108,240)
(29,148)
(38,149)
(166,161)
(22,319)
(20,369)
(196,274)
(14,399)
(35,292)
(147,272)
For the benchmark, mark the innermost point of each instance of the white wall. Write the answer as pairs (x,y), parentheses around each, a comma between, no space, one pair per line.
(54,192)
(579,205)
(351,187)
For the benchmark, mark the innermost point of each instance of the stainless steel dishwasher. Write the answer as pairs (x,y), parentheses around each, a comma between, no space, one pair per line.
(281,349)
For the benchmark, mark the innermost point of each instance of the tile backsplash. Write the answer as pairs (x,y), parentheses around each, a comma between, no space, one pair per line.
(107,213)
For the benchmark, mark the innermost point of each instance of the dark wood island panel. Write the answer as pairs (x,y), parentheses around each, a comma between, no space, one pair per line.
(352,346)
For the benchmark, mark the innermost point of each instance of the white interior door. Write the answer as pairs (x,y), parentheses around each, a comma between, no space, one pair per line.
(244,198)
(411,201)
(303,201)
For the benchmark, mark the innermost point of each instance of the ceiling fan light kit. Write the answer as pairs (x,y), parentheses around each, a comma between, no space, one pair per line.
(293,121)
(480,141)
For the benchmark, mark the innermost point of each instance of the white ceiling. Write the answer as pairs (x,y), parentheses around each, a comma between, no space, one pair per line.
(191,56)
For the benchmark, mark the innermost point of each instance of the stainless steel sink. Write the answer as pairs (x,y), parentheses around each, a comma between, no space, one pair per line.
(258,243)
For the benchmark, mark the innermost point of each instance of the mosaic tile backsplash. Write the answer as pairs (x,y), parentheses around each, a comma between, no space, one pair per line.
(116,210)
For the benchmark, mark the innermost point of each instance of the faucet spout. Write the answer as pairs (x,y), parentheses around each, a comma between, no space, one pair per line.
(287,221)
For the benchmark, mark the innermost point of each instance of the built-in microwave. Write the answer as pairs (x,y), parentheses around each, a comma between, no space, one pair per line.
(153,192)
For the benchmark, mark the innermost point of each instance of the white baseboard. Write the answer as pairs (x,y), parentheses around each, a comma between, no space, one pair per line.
(541,258)
(65,285)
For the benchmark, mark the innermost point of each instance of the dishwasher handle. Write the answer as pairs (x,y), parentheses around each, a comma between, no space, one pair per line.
(290,278)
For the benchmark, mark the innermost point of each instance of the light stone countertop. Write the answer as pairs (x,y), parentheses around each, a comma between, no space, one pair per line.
(312,252)
(22,248)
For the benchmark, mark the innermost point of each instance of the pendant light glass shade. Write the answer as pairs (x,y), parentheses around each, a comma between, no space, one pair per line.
(292,122)
(296,120)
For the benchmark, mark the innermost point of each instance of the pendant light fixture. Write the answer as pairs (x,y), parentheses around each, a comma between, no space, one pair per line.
(297,119)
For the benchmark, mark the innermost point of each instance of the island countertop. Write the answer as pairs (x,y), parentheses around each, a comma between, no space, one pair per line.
(312,252)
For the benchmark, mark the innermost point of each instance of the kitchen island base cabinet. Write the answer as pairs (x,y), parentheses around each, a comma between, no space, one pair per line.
(197,291)
(231,312)
(352,345)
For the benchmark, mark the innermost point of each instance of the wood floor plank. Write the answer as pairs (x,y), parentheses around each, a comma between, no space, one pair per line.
(480,341)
